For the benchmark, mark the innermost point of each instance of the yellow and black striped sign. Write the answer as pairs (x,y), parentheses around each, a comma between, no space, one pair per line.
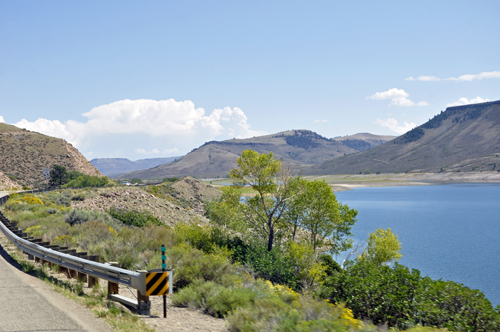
(156,283)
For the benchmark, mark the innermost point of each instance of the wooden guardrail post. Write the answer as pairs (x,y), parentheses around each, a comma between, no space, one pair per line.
(113,287)
(79,275)
(93,280)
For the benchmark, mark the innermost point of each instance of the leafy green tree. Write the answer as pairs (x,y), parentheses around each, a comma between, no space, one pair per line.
(271,181)
(383,247)
(58,176)
(226,213)
(316,209)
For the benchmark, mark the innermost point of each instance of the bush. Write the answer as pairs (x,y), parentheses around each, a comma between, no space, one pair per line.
(76,216)
(78,197)
(87,181)
(217,300)
(134,218)
(400,297)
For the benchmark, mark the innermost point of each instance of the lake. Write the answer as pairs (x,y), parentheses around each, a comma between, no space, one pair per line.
(447,231)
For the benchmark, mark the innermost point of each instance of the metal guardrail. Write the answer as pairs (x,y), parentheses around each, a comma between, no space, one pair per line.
(132,279)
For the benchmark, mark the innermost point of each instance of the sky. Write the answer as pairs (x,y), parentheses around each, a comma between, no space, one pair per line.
(148,79)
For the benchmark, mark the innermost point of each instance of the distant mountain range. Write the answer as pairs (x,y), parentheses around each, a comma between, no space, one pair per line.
(117,166)
(24,154)
(460,139)
(298,147)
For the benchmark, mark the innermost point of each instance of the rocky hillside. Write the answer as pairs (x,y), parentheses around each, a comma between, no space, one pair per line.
(7,183)
(117,166)
(181,201)
(460,139)
(363,141)
(24,155)
(216,159)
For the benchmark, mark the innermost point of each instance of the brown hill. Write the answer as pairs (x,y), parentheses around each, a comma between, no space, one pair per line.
(117,166)
(24,155)
(460,139)
(363,141)
(214,159)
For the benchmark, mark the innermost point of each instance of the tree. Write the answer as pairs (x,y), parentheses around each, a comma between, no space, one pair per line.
(58,176)
(271,181)
(316,209)
(383,247)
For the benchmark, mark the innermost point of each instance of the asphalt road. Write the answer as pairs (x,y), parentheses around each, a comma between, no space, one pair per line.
(29,304)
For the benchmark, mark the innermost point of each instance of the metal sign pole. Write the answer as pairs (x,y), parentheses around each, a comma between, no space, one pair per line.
(163,267)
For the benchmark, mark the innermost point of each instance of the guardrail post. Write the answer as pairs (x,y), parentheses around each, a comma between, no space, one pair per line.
(79,275)
(113,287)
(93,280)
(143,303)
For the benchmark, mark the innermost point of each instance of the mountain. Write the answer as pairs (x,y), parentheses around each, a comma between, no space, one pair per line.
(363,141)
(460,139)
(117,166)
(24,155)
(213,159)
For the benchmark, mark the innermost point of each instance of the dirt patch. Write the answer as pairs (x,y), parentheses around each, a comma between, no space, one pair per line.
(6,183)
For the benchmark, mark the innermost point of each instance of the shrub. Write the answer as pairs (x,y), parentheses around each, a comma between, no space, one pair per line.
(400,297)
(78,197)
(133,217)
(76,216)
(31,200)
(87,181)
(217,300)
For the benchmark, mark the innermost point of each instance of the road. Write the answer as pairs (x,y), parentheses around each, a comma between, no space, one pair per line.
(29,304)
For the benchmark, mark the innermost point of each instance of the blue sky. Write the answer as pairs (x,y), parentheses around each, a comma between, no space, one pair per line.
(159,78)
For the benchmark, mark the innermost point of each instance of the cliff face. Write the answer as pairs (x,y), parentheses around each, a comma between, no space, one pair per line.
(24,155)
(460,139)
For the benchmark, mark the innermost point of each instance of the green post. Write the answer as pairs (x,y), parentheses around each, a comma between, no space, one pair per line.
(163,267)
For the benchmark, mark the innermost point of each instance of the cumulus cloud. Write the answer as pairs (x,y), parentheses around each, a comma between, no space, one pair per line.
(393,125)
(320,121)
(1,119)
(423,78)
(399,97)
(175,122)
(465,101)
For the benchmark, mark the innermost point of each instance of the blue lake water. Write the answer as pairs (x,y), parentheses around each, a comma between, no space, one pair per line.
(450,232)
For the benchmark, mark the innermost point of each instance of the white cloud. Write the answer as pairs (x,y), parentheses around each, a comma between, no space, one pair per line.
(423,78)
(1,119)
(143,151)
(393,125)
(465,101)
(170,151)
(472,77)
(399,97)
(469,77)
(320,121)
(176,123)
(49,127)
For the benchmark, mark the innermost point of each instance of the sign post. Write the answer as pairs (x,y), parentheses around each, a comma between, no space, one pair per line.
(46,176)
(163,267)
